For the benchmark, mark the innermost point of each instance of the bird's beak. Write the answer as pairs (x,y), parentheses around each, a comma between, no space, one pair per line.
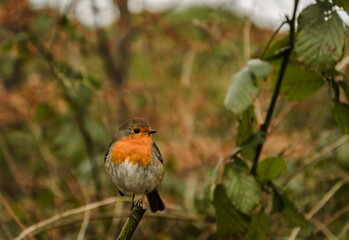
(151,131)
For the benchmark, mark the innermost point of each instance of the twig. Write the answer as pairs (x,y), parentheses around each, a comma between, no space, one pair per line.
(246,39)
(109,215)
(11,162)
(333,217)
(84,225)
(65,214)
(324,229)
(272,38)
(85,221)
(318,206)
(12,214)
(264,127)
(324,199)
(317,156)
(343,230)
(283,116)
(116,220)
(132,222)
(187,68)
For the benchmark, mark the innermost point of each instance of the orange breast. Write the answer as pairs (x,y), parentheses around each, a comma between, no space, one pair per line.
(137,149)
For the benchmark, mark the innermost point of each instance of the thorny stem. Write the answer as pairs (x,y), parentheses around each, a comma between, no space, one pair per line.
(264,127)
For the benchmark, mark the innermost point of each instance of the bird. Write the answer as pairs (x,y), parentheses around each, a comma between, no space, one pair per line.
(134,162)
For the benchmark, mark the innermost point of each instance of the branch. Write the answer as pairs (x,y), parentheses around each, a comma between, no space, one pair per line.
(317,156)
(318,206)
(12,214)
(70,212)
(332,218)
(132,222)
(264,127)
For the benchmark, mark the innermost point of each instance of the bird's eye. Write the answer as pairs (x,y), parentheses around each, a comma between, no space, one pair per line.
(136,130)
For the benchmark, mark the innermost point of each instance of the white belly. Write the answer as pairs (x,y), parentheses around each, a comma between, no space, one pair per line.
(136,179)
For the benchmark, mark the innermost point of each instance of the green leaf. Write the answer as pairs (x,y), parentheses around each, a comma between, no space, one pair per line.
(240,163)
(320,39)
(242,91)
(7,46)
(44,199)
(42,22)
(231,224)
(340,113)
(23,51)
(96,131)
(291,213)
(69,142)
(299,84)
(259,228)
(259,68)
(255,139)
(342,3)
(203,201)
(43,112)
(277,49)
(278,204)
(216,170)
(247,126)
(242,189)
(270,168)
(345,88)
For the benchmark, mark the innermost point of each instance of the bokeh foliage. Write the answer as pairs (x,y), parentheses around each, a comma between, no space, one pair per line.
(66,87)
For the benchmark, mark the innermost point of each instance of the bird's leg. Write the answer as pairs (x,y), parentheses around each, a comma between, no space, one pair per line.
(132,206)
(142,198)
(133,202)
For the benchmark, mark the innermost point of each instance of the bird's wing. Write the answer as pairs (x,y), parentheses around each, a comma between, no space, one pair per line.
(115,138)
(157,152)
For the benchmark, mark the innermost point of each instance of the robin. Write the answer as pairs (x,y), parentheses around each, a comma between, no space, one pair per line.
(134,162)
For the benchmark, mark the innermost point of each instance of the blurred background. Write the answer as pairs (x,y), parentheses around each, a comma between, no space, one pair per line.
(71,71)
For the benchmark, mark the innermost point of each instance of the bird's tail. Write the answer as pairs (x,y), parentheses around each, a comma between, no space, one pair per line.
(155,202)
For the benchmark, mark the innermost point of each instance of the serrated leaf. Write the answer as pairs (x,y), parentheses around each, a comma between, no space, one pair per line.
(247,126)
(299,83)
(259,228)
(270,168)
(241,188)
(320,41)
(231,224)
(259,68)
(242,91)
(340,113)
